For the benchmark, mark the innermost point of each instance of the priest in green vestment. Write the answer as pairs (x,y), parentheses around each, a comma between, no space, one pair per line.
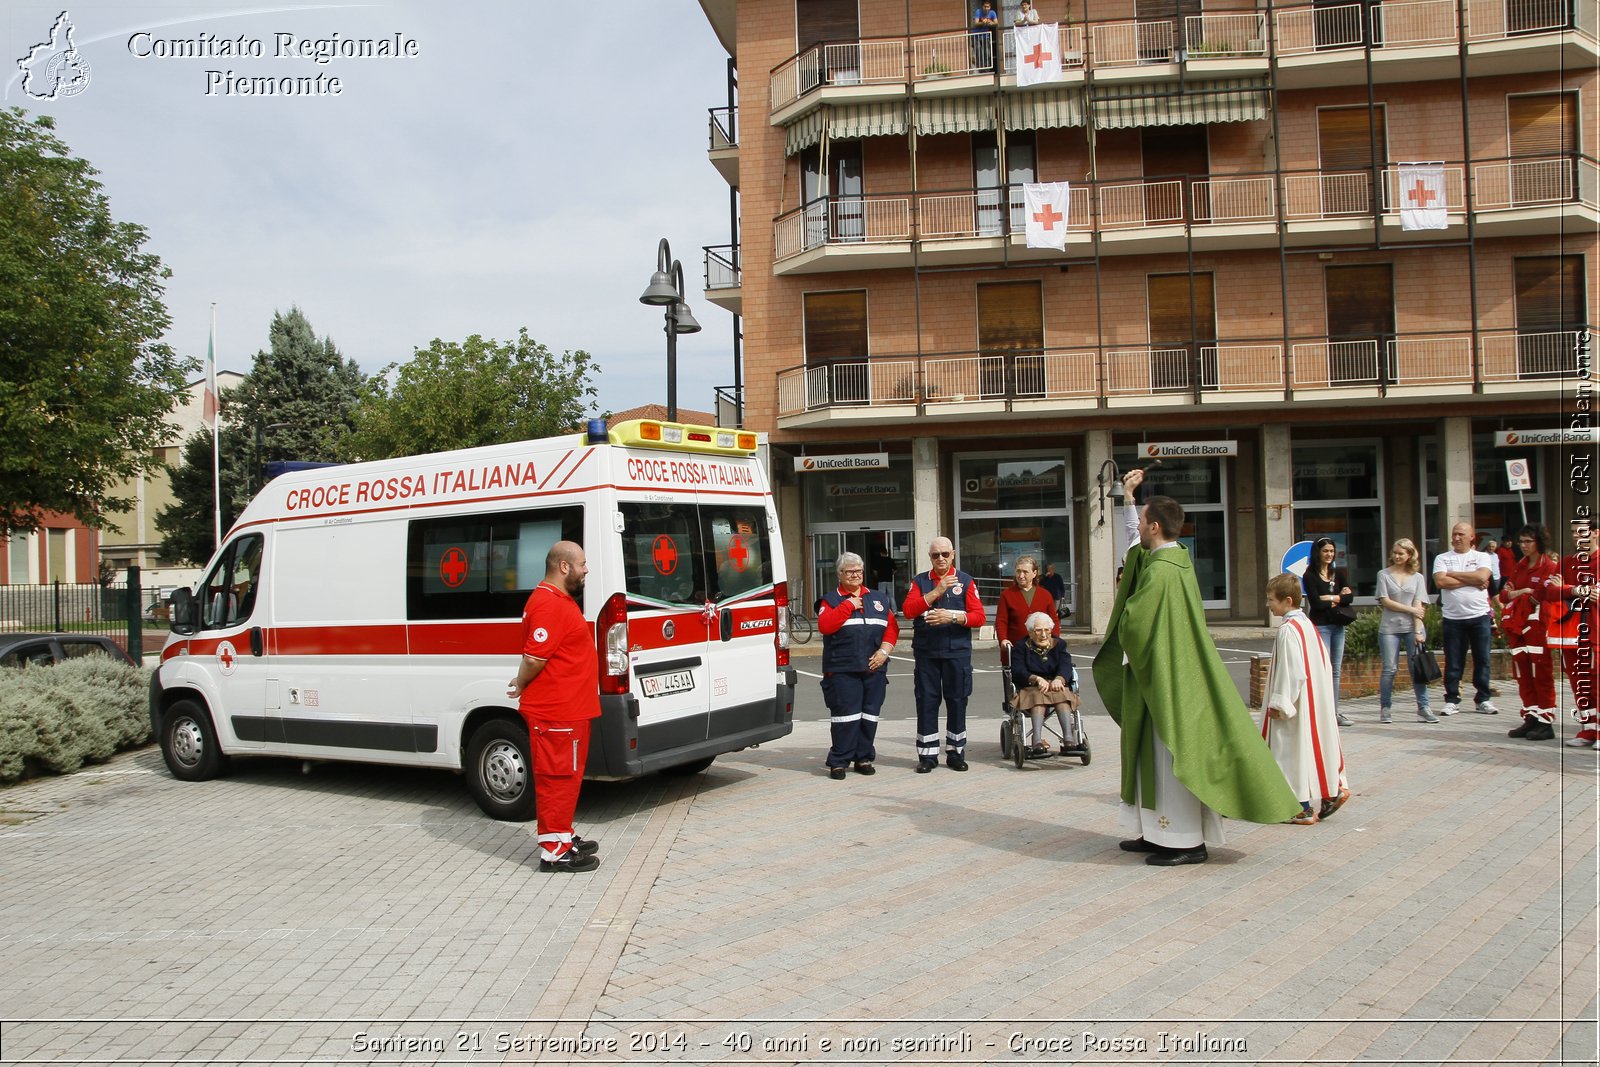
(1191,754)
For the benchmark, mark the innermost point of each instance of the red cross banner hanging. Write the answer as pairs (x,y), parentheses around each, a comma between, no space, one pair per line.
(1046,205)
(1038,54)
(1422,199)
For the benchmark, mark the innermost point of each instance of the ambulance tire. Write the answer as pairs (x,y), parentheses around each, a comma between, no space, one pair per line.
(684,770)
(499,768)
(189,743)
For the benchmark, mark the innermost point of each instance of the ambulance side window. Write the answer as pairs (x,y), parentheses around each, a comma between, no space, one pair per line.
(482,566)
(228,595)
(661,553)
(738,540)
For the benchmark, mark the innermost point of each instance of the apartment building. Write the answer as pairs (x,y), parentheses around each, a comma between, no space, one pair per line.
(1244,292)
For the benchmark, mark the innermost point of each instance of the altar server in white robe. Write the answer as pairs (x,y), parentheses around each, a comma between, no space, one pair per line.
(1301,721)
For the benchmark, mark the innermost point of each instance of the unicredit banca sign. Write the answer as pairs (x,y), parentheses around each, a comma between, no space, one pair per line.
(852,462)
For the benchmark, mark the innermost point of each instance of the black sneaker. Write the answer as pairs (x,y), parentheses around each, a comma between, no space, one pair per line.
(583,846)
(571,863)
(863,767)
(1540,731)
(1521,731)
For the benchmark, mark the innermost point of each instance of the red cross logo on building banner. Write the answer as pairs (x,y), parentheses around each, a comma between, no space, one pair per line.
(664,554)
(227,657)
(453,567)
(1420,194)
(1048,216)
(1038,57)
(738,553)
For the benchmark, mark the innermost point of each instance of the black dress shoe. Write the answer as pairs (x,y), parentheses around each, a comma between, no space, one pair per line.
(865,768)
(1177,857)
(836,773)
(925,765)
(583,846)
(1521,731)
(1540,731)
(1139,844)
(957,763)
(571,863)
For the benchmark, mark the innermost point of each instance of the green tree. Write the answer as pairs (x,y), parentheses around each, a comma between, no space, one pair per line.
(296,403)
(476,392)
(85,384)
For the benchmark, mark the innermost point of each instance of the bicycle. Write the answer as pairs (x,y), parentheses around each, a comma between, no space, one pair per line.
(801,627)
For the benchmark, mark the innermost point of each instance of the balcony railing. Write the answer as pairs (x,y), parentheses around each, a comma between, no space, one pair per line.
(1303,30)
(722,267)
(842,220)
(1243,371)
(724,127)
(1521,183)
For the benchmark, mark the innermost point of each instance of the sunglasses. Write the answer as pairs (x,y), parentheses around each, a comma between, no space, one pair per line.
(940,555)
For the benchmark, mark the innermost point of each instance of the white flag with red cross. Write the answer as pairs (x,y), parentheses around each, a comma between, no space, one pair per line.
(1038,54)
(1422,197)
(1046,204)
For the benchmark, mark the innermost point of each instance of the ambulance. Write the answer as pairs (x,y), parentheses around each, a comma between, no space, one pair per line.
(372,612)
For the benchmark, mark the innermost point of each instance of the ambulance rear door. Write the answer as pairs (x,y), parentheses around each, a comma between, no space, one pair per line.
(742,651)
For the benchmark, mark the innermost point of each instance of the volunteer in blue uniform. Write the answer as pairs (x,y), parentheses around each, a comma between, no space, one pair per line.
(858,633)
(944,608)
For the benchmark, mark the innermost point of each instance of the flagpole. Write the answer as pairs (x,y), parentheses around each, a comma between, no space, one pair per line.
(216,455)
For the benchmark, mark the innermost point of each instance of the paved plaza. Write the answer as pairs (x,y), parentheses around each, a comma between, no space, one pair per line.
(762,913)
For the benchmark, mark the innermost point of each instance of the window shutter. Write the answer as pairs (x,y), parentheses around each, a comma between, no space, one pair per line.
(1543,125)
(1360,301)
(1010,317)
(1344,140)
(1550,294)
(819,21)
(835,326)
(1170,312)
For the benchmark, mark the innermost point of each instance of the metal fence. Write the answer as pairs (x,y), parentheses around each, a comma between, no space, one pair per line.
(116,610)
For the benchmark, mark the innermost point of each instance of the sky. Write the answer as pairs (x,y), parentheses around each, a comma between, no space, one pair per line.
(518,170)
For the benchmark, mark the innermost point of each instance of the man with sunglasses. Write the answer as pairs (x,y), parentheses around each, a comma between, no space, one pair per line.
(944,609)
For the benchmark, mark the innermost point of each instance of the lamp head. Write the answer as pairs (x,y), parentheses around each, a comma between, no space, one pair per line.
(683,321)
(660,292)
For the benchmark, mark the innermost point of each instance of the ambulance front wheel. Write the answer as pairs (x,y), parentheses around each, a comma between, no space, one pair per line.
(500,771)
(189,742)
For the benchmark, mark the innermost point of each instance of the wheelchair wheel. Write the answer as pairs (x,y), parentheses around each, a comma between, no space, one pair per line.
(1005,738)
(1019,744)
(1084,737)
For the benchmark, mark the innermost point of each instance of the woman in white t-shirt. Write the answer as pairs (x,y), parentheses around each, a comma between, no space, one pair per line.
(1404,596)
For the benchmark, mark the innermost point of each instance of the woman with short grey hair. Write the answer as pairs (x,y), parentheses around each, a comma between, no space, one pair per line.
(858,633)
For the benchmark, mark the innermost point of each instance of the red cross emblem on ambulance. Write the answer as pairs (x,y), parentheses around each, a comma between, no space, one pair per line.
(227,658)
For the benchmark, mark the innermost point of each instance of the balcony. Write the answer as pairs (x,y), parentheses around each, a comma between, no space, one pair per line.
(1537,196)
(724,283)
(1313,46)
(1227,374)
(724,150)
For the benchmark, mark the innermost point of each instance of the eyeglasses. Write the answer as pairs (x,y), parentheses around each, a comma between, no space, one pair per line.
(940,555)
(858,572)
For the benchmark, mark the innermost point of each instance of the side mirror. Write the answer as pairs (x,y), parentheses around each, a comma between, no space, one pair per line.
(185,612)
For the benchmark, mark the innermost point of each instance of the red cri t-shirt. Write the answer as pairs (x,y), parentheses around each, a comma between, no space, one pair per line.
(554,630)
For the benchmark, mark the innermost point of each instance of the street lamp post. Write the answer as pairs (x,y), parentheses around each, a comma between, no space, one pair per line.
(666,291)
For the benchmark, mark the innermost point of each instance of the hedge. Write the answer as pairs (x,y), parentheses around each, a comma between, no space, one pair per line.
(53,720)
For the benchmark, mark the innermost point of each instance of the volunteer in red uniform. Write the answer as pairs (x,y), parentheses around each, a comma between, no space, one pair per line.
(1522,619)
(1575,629)
(560,695)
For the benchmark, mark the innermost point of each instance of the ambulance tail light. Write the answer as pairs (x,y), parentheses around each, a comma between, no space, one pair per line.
(611,635)
(780,597)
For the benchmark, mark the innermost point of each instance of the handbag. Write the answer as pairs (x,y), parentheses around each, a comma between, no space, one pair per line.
(1344,614)
(1424,665)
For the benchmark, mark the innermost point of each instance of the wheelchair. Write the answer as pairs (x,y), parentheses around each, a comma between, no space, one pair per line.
(1015,723)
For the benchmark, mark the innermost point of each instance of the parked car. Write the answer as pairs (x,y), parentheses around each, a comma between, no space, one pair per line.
(33,650)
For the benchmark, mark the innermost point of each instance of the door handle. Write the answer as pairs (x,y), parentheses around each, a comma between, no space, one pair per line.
(727,624)
(257,645)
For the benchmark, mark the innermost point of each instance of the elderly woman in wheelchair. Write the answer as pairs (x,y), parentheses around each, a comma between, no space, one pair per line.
(1041,668)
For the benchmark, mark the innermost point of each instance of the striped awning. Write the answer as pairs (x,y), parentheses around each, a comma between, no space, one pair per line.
(955,114)
(1045,109)
(883,119)
(804,133)
(1154,104)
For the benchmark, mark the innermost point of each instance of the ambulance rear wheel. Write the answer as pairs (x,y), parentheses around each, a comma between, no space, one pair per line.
(684,770)
(500,771)
(189,742)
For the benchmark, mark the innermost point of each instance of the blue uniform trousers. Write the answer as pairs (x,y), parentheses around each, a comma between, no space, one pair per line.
(854,700)
(942,678)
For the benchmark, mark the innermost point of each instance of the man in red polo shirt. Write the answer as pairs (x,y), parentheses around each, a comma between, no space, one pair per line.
(559,690)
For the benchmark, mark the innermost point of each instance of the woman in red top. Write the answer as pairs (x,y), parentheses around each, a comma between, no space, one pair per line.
(1021,599)
(1522,618)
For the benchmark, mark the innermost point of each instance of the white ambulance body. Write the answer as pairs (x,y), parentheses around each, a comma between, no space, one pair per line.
(372,612)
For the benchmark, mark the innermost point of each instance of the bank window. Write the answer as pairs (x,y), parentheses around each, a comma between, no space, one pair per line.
(1497,511)
(1012,505)
(1338,495)
(482,566)
(1200,486)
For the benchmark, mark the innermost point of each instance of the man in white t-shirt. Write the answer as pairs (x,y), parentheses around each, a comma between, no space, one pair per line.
(1463,575)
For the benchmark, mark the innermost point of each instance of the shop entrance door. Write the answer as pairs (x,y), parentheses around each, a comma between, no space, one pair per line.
(886,550)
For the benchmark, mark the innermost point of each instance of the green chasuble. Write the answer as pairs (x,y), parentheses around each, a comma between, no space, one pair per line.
(1174,686)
